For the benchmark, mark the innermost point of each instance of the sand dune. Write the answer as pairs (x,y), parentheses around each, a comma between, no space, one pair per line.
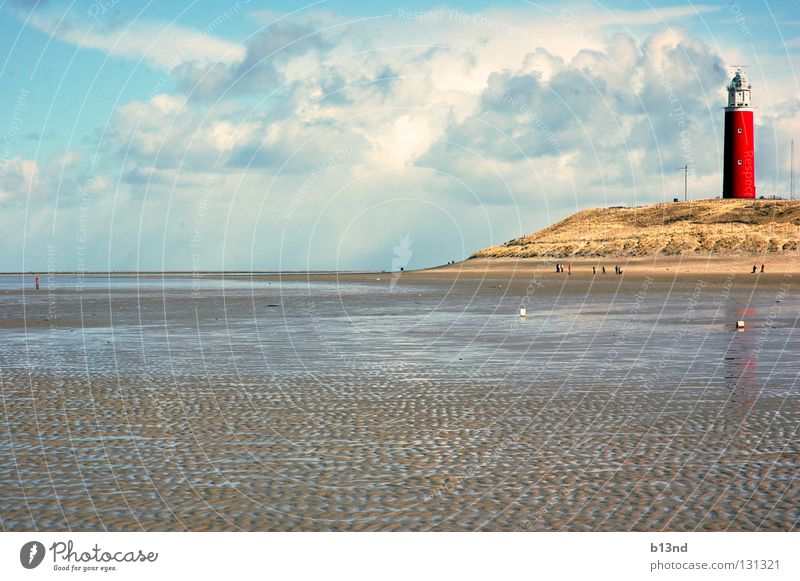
(699,227)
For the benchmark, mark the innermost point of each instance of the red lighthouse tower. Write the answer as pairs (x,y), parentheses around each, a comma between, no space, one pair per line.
(739,163)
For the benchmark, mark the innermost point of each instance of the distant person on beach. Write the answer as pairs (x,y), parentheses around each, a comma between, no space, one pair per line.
(754,269)
(603,270)
(762,268)
(594,271)
(569,269)
(558,269)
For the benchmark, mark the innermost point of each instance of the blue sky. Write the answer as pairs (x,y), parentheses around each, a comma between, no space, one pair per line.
(325,135)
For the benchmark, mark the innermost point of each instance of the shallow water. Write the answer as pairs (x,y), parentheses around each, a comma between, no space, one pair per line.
(386,404)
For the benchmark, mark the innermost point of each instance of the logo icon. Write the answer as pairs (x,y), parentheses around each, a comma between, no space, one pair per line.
(402,256)
(31,554)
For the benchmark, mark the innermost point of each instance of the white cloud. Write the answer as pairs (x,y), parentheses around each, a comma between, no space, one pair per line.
(161,44)
(19,179)
(226,136)
(408,138)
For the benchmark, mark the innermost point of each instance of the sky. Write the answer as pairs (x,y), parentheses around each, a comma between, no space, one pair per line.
(330,135)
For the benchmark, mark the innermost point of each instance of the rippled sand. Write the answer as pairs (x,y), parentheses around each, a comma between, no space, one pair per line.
(419,402)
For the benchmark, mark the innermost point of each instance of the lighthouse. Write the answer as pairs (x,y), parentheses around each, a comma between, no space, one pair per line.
(739,164)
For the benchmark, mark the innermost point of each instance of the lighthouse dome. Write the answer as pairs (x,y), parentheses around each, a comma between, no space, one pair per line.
(739,80)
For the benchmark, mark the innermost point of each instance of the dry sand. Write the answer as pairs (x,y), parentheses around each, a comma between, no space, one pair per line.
(698,227)
(407,402)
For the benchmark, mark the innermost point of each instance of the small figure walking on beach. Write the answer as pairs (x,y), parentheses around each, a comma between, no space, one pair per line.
(37,283)
(569,269)
(762,268)
(558,267)
(594,271)
(754,269)
(603,270)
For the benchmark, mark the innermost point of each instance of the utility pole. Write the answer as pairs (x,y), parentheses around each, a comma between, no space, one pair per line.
(791,172)
(685,182)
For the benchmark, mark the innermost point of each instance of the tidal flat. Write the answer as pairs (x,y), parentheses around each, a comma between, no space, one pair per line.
(403,402)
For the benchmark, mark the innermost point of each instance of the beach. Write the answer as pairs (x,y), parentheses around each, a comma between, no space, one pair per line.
(414,401)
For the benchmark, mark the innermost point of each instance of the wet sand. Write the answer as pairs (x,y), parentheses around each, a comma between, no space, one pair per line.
(379,401)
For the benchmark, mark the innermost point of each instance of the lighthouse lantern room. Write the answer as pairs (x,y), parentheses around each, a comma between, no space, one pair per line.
(739,167)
